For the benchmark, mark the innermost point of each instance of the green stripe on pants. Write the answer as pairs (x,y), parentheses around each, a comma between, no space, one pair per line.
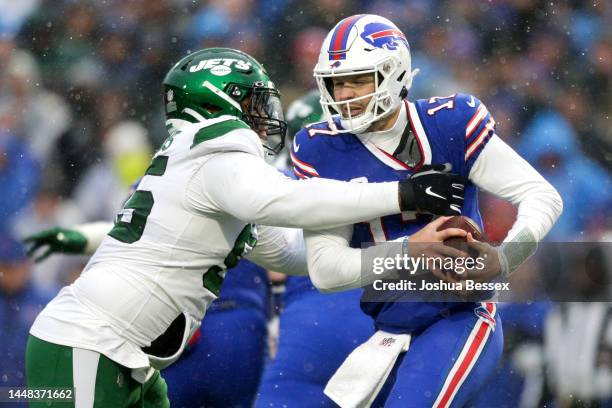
(51,365)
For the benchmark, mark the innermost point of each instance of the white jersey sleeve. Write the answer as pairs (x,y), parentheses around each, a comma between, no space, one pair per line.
(244,186)
(334,266)
(501,171)
(94,233)
(280,250)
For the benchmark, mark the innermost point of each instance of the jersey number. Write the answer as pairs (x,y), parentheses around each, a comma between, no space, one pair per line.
(131,220)
(446,105)
(377,228)
(246,241)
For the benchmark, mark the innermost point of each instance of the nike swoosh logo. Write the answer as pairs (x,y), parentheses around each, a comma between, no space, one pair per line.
(455,208)
(431,193)
(472,102)
(296,147)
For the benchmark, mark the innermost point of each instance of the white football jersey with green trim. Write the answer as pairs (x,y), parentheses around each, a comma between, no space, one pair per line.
(190,218)
(162,258)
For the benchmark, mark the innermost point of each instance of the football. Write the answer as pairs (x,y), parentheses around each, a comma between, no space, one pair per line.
(465,223)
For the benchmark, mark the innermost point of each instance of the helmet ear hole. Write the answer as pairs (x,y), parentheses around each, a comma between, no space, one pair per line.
(404,92)
(399,78)
(236,93)
(380,78)
(329,85)
(211,108)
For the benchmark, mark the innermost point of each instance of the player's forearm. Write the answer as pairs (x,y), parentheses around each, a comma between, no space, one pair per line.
(280,250)
(247,188)
(94,233)
(333,266)
(319,203)
(502,172)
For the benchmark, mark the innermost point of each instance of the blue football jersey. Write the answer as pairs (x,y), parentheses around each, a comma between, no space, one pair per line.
(452,129)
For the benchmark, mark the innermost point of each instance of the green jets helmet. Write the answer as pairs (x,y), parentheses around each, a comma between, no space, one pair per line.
(303,111)
(221,81)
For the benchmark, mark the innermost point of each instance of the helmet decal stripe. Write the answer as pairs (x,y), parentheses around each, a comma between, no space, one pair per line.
(340,37)
(222,95)
(388,33)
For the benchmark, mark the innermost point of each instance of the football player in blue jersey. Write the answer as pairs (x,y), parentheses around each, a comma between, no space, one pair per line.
(423,353)
(317,331)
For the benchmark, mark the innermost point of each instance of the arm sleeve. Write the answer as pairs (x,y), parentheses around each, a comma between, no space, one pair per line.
(502,172)
(94,233)
(334,266)
(247,188)
(280,250)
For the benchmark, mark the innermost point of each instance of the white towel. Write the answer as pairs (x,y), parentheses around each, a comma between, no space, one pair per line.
(359,379)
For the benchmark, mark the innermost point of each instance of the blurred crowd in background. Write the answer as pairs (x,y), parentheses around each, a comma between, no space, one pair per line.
(81,108)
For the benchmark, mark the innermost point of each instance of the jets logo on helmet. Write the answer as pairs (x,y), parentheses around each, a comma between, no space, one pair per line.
(222,62)
(358,45)
(383,36)
(217,82)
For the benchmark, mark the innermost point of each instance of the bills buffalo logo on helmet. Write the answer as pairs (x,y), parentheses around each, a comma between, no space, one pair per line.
(380,35)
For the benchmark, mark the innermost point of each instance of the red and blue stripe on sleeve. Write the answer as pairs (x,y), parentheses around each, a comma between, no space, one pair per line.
(301,168)
(478,130)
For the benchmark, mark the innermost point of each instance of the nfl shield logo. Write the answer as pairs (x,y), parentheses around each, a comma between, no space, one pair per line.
(387,342)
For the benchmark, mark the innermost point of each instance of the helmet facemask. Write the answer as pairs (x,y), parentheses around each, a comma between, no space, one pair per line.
(264,114)
(360,44)
(382,102)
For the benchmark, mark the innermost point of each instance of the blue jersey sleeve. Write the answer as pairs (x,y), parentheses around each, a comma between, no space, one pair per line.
(478,124)
(463,126)
(303,155)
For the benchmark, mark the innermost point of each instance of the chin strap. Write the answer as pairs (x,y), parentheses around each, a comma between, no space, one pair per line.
(410,78)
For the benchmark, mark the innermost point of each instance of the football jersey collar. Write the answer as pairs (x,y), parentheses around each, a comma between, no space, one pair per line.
(389,139)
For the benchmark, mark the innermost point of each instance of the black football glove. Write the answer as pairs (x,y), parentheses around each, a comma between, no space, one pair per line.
(433,190)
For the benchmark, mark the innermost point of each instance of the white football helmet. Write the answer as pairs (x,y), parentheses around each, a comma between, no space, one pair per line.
(362,44)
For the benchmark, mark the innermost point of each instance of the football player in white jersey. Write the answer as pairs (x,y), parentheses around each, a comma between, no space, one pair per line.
(192,217)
